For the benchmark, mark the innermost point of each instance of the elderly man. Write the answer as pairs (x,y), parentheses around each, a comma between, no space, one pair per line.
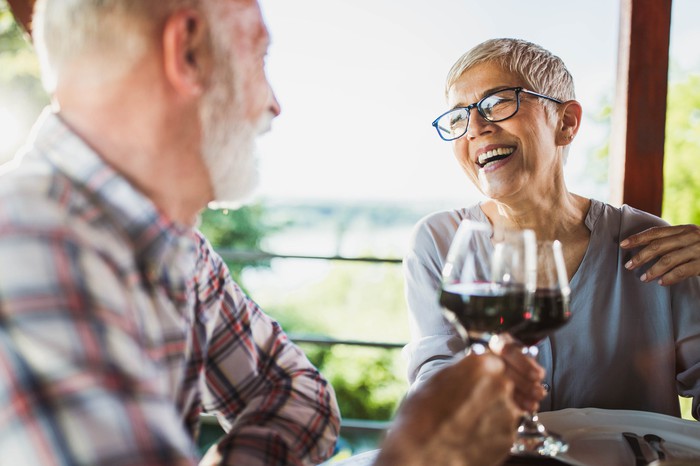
(119,324)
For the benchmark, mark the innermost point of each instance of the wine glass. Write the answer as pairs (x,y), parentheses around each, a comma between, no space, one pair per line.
(488,281)
(550,311)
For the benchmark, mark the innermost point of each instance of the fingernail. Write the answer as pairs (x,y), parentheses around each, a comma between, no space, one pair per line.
(628,265)
(661,281)
(625,243)
(643,277)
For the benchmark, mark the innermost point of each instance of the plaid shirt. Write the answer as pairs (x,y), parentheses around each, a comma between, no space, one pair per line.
(118,328)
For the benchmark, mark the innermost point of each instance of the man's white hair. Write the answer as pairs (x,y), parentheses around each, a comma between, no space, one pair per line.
(112,35)
(116,30)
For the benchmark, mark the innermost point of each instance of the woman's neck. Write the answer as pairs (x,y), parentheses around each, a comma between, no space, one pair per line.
(552,216)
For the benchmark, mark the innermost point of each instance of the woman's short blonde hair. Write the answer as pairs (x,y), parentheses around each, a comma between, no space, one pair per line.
(540,69)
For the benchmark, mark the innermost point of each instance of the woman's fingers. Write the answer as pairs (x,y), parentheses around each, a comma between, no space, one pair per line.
(526,375)
(676,250)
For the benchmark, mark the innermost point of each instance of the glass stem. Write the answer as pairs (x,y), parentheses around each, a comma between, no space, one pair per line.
(478,347)
(530,425)
(479,343)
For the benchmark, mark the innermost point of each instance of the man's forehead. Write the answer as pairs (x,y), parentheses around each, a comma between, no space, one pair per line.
(245,17)
(238,7)
(240,3)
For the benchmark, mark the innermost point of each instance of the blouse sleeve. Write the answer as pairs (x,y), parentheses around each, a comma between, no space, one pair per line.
(434,342)
(685,302)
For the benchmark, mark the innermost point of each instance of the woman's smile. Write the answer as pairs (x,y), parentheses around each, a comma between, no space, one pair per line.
(489,155)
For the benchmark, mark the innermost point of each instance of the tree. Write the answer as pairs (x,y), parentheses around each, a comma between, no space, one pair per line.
(241,229)
(21,94)
(681,203)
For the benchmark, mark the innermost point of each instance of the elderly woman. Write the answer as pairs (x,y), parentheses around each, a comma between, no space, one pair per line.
(633,341)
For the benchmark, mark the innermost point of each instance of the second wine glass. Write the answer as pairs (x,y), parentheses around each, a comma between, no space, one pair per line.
(550,310)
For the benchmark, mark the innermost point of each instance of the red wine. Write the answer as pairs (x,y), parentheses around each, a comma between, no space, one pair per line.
(550,311)
(484,307)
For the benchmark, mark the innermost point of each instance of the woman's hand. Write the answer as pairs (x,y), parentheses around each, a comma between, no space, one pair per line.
(677,249)
(523,370)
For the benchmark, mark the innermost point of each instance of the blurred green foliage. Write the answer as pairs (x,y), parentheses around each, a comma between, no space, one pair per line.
(21,92)
(597,167)
(241,229)
(12,37)
(681,203)
(365,381)
(354,301)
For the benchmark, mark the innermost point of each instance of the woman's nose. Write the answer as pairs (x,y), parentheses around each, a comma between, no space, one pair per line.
(478,125)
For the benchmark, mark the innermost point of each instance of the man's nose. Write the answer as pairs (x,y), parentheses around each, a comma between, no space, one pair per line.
(275,107)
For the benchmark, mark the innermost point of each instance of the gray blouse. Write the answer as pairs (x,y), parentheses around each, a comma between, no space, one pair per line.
(628,344)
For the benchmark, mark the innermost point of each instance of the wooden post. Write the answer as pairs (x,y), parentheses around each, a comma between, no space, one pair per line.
(639,114)
(22,11)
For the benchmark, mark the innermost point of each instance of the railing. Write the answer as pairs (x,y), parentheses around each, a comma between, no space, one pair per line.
(250,256)
(325,341)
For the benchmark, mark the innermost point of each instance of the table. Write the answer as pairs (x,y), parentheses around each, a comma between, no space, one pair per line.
(595,438)
(367,459)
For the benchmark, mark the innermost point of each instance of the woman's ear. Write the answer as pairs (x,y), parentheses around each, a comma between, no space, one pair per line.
(569,122)
(187,54)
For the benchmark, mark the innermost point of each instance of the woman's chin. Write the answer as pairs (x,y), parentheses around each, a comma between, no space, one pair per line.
(497,193)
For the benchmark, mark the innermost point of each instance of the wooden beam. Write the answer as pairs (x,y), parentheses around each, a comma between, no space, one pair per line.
(639,114)
(22,11)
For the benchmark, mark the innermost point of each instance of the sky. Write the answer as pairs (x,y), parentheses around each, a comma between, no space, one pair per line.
(360,81)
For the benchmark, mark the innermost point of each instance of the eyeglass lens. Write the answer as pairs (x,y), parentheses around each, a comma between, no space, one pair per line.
(495,107)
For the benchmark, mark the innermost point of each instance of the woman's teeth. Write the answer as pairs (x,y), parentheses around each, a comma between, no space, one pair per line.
(494,155)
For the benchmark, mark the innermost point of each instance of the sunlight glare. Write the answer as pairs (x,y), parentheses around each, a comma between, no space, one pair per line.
(10,131)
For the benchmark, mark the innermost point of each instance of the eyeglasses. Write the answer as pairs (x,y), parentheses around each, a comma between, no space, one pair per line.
(497,106)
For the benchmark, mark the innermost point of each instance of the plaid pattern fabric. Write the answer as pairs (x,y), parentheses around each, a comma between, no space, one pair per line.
(118,328)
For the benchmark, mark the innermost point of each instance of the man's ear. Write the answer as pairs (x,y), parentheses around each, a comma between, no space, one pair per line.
(569,122)
(186,51)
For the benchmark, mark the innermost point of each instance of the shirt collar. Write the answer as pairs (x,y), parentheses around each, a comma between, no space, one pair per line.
(164,249)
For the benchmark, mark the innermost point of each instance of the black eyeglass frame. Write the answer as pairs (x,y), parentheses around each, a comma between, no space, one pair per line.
(477,105)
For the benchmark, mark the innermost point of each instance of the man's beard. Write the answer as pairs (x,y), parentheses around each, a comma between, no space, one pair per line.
(228,139)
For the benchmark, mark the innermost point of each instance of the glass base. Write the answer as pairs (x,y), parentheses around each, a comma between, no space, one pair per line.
(534,440)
